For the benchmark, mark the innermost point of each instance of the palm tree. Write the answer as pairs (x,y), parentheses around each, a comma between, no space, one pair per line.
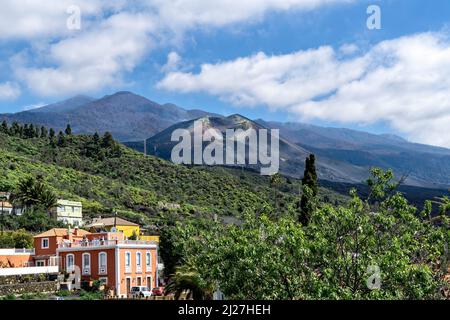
(187,279)
(33,192)
(48,199)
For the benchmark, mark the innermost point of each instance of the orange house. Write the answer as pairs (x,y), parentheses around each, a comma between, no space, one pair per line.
(120,264)
(46,244)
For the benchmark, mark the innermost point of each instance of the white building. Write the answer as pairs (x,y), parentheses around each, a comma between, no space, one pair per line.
(69,212)
(5,207)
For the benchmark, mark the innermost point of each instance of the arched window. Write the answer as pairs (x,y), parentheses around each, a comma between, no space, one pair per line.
(102,262)
(70,262)
(148,261)
(127,262)
(86,258)
(138,261)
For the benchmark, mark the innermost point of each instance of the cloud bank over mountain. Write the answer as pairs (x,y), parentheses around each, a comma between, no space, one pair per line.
(114,38)
(403,82)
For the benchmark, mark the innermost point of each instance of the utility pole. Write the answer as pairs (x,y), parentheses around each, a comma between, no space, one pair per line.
(3,198)
(145,147)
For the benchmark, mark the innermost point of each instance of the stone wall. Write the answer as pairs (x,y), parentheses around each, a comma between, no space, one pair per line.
(32,287)
(17,285)
(8,280)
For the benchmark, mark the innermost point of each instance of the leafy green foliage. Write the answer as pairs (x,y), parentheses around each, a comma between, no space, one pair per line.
(333,257)
(16,239)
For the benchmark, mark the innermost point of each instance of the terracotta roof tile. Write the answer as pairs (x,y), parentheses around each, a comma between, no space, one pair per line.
(110,222)
(5,204)
(60,232)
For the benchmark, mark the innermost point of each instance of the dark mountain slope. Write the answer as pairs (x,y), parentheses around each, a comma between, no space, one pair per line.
(126,115)
(292,156)
(426,166)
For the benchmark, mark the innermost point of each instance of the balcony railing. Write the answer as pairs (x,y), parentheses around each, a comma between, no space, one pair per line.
(16,251)
(31,251)
(101,243)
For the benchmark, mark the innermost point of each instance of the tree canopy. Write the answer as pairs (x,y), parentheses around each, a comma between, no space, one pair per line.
(353,251)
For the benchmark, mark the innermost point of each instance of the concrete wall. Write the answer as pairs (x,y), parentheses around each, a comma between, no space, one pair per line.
(27,271)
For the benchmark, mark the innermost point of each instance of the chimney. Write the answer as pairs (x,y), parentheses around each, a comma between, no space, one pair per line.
(70,234)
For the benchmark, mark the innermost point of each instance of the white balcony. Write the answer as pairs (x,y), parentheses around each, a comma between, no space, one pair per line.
(16,251)
(104,243)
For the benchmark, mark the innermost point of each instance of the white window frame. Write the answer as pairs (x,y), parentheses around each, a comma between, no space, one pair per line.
(42,243)
(70,268)
(86,268)
(40,263)
(148,262)
(102,269)
(127,266)
(53,261)
(139,283)
(139,265)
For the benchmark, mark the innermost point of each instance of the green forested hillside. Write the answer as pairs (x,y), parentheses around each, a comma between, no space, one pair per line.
(380,247)
(109,177)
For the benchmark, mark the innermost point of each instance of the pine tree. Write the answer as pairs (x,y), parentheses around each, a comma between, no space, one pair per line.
(4,128)
(92,146)
(44,132)
(310,190)
(25,131)
(37,132)
(107,140)
(15,129)
(51,138)
(68,130)
(31,132)
(96,138)
(62,142)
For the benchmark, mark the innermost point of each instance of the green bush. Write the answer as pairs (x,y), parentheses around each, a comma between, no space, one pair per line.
(16,239)
(63,293)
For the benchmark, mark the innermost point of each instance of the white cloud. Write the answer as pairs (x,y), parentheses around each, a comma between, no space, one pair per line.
(403,82)
(277,81)
(94,59)
(9,91)
(173,62)
(34,106)
(182,14)
(114,38)
(349,49)
(35,19)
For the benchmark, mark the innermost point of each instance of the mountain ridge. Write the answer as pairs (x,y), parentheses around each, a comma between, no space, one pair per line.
(126,115)
(347,161)
(346,154)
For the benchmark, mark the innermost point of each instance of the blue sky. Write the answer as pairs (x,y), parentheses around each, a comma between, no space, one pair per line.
(42,62)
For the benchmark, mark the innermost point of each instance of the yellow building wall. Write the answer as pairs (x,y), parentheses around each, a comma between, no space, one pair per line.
(128,231)
(149,238)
